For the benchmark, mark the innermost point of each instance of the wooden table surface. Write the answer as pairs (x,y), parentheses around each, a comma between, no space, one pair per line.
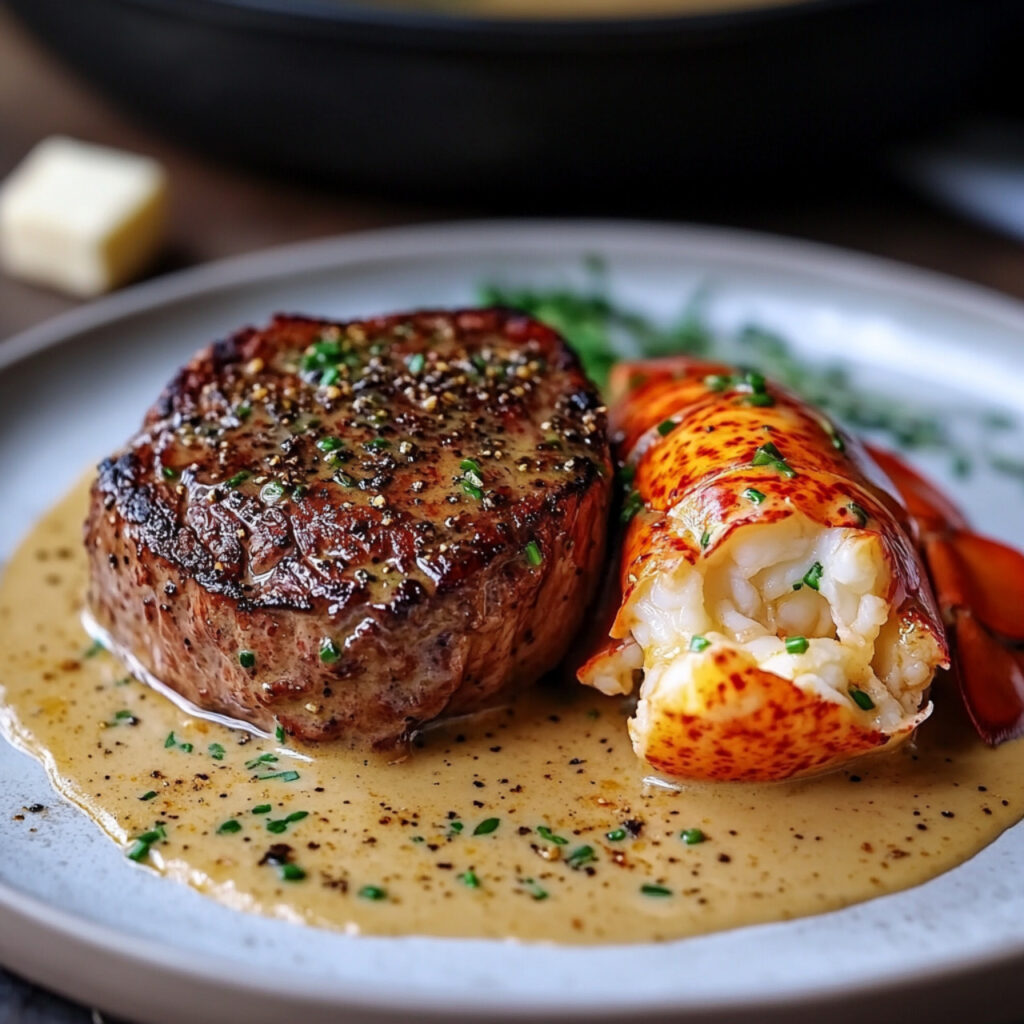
(220,211)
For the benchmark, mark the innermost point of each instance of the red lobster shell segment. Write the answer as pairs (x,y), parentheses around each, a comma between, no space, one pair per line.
(773,594)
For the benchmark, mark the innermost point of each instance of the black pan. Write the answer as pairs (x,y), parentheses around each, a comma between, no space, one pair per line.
(454,105)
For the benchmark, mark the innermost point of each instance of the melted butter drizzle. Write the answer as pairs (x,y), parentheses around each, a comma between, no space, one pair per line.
(392,849)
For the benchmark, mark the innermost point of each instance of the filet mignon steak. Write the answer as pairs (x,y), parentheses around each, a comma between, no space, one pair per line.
(348,529)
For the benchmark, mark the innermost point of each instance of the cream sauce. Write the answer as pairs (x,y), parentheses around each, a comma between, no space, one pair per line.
(393,848)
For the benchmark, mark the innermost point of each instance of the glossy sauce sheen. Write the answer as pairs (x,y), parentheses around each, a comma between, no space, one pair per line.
(390,848)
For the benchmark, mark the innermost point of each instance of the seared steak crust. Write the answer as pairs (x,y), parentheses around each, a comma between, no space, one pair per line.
(348,529)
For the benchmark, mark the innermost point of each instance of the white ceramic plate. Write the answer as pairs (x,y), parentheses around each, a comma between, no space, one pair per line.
(77,916)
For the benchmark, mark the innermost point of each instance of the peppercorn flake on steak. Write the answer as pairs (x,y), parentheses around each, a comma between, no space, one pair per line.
(349,529)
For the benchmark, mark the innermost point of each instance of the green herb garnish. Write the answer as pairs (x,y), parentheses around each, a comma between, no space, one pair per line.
(545,833)
(754,495)
(533,553)
(580,857)
(246,659)
(654,890)
(813,576)
(769,455)
(216,751)
(796,644)
(239,478)
(272,491)
(692,836)
(173,741)
(148,795)
(373,892)
(616,835)
(705,539)
(330,444)
(416,362)
(169,473)
(291,873)
(535,890)
(666,427)
(486,827)
(281,824)
(289,776)
(633,504)
(228,827)
(469,879)
(861,699)
(699,643)
(329,653)
(262,759)
(262,809)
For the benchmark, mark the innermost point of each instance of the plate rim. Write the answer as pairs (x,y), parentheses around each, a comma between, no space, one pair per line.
(783,255)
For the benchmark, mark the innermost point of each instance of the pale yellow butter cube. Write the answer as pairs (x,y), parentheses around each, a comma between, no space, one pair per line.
(81,218)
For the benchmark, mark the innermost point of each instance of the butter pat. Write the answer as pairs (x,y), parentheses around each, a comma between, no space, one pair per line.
(81,218)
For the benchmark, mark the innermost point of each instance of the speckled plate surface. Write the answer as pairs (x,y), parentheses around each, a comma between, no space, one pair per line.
(77,916)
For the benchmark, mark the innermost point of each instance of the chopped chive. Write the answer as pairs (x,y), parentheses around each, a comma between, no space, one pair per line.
(169,473)
(244,411)
(173,741)
(699,643)
(692,836)
(228,827)
(705,539)
(469,879)
(754,495)
(279,733)
(329,376)
(471,466)
(123,716)
(289,776)
(281,824)
(858,513)
(535,890)
(616,835)
(330,444)
(416,362)
(373,892)
(343,478)
(487,826)
(239,478)
(329,653)
(755,381)
(246,659)
(861,699)
(666,427)
(148,795)
(93,649)
(377,444)
(472,489)
(796,644)
(417,839)
(769,455)
(257,761)
(625,474)
(580,857)
(138,850)
(292,873)
(654,890)
(545,833)
(717,382)
(216,751)
(272,491)
(813,576)
(633,504)
(262,809)
(533,553)
(760,399)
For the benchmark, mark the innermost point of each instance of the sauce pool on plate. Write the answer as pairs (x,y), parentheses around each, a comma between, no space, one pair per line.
(533,821)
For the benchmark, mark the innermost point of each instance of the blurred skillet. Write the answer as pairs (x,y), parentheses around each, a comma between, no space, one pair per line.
(446,102)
